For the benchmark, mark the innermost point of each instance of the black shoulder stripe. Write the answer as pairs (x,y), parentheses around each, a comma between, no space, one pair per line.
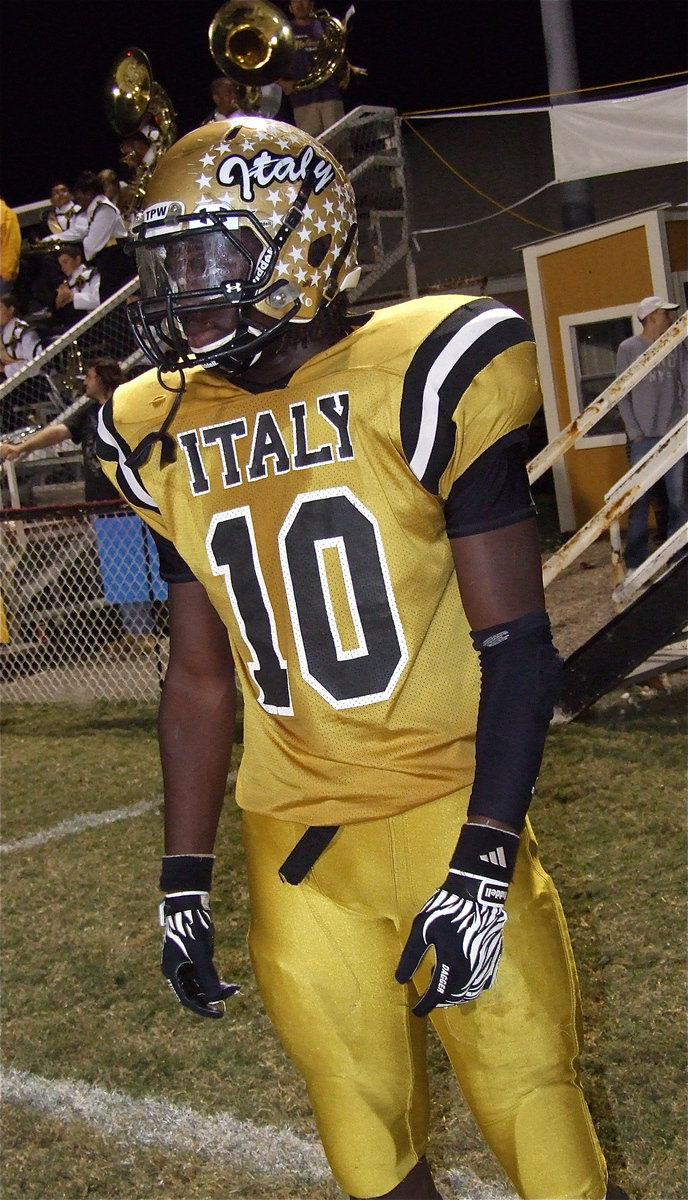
(111,447)
(441,370)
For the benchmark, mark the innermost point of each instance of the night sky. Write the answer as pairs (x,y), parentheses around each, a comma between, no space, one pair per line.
(56,59)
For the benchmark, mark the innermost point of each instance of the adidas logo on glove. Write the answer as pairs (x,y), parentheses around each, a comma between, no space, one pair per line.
(496,857)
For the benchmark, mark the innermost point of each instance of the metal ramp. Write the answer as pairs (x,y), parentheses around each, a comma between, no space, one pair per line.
(647,636)
(626,648)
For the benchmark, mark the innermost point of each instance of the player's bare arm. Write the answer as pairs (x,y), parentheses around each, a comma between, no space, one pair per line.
(499,573)
(196,730)
(196,721)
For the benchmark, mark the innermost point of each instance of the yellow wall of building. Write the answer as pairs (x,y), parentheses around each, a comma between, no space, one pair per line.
(602,273)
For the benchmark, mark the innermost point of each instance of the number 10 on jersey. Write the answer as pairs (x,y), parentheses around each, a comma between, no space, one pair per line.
(350,644)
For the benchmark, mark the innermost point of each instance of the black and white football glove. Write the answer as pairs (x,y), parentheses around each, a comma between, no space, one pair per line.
(463,920)
(186,960)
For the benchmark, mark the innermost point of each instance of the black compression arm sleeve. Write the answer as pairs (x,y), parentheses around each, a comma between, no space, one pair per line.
(520,682)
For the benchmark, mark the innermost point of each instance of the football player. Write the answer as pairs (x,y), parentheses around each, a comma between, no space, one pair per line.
(343,516)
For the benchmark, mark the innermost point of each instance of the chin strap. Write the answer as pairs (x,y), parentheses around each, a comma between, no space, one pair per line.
(168,448)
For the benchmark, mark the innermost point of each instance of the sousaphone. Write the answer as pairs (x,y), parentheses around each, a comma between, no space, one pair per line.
(136,103)
(253,43)
(134,99)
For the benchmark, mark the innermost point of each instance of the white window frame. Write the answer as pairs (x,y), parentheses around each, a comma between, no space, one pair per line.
(567,331)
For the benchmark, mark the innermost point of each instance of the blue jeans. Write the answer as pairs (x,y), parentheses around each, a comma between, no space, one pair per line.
(636,548)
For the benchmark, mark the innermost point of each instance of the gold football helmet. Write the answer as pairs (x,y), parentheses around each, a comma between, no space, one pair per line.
(248,225)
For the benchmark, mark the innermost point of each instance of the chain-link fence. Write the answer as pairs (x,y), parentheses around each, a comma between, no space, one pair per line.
(83,613)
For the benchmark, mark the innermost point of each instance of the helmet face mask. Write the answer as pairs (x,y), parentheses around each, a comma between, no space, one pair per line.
(247,228)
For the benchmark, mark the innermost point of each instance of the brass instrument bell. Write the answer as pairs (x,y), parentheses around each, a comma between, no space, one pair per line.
(253,43)
(134,102)
(128,90)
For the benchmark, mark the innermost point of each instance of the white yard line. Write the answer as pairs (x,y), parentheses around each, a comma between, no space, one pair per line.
(86,821)
(149,1122)
(266,1149)
(78,824)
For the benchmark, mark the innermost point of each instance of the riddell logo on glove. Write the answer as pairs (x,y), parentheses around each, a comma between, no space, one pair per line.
(496,895)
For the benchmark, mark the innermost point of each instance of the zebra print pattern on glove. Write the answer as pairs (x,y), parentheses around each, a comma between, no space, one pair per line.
(465,933)
(479,927)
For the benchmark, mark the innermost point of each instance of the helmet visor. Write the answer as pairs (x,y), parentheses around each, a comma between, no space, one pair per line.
(205,273)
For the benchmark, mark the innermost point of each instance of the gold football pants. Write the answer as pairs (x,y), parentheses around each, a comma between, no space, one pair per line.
(324,954)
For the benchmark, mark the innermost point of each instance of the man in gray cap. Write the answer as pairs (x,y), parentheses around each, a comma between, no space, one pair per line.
(648,411)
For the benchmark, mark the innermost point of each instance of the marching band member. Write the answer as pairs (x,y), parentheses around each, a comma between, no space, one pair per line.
(100,229)
(19,341)
(62,211)
(79,291)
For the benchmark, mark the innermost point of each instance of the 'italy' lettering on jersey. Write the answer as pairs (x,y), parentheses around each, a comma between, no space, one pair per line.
(267,445)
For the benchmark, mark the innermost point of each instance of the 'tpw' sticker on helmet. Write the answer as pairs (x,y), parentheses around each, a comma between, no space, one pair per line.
(163,212)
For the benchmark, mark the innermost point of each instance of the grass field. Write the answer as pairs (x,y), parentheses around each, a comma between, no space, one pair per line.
(113,1091)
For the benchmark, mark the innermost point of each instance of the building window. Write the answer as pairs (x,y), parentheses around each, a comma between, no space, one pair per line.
(590,341)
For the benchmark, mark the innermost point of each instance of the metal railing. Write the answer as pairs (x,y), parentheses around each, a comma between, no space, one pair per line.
(51,381)
(635,483)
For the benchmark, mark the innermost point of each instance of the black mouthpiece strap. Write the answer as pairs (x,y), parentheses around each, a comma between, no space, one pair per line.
(168,447)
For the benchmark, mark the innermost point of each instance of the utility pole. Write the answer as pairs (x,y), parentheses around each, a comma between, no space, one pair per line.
(577,207)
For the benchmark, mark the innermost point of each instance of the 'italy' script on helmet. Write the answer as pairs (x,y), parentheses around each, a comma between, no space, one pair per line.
(266,168)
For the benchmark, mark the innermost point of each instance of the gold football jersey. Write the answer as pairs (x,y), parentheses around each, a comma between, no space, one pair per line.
(313,515)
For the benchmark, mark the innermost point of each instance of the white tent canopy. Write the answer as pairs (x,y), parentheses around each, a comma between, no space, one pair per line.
(601,137)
